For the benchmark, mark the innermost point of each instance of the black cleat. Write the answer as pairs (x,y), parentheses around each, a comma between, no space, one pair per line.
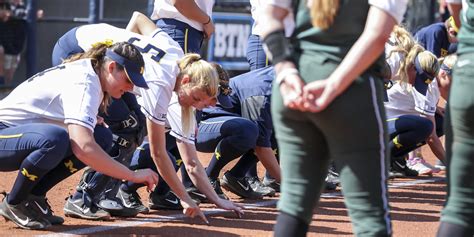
(199,197)
(114,207)
(196,195)
(131,200)
(259,187)
(217,188)
(400,169)
(81,209)
(23,215)
(239,186)
(272,183)
(41,205)
(167,201)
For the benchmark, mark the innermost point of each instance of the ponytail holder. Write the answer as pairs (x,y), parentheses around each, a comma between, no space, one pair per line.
(108,43)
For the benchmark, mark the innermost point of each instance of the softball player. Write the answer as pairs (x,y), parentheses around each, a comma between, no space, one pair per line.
(438,37)
(241,130)
(194,82)
(35,130)
(255,54)
(257,58)
(411,106)
(124,116)
(337,50)
(458,214)
(187,150)
(441,40)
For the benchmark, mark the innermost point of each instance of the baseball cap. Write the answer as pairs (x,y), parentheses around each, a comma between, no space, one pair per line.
(133,70)
(224,88)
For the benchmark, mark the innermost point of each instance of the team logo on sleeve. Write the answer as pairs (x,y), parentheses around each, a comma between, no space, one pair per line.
(90,119)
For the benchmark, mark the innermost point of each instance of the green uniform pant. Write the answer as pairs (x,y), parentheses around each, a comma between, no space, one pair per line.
(459,126)
(350,131)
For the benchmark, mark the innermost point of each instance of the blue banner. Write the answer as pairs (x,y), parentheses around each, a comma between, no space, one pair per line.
(228,45)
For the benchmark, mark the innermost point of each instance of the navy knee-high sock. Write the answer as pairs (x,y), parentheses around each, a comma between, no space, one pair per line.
(224,153)
(247,161)
(252,171)
(64,169)
(28,177)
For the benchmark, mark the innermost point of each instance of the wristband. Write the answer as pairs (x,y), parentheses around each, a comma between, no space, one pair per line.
(284,73)
(277,47)
(209,21)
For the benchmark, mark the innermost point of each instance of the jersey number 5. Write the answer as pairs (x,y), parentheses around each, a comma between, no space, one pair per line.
(156,52)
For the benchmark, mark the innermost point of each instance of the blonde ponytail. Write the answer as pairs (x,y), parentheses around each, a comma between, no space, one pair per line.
(408,59)
(203,76)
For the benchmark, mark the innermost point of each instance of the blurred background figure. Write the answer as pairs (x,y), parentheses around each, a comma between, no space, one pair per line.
(13,28)
(4,15)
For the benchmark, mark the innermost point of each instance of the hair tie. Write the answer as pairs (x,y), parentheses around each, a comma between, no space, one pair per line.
(108,43)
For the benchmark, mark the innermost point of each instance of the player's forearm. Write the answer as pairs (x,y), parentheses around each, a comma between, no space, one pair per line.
(90,153)
(455,9)
(273,17)
(436,147)
(435,143)
(269,161)
(196,171)
(140,24)
(191,10)
(157,139)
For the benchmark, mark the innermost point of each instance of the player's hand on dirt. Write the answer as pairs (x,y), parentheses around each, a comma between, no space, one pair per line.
(291,90)
(319,94)
(231,206)
(191,209)
(146,176)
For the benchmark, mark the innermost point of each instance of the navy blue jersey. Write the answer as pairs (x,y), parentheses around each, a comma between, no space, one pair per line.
(434,38)
(251,94)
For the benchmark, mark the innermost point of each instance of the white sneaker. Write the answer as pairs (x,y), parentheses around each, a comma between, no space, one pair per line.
(421,166)
(432,167)
(440,165)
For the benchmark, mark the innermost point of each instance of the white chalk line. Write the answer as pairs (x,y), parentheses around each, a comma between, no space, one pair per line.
(159,218)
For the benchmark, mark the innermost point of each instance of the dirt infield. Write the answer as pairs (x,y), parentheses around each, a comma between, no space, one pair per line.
(415,207)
